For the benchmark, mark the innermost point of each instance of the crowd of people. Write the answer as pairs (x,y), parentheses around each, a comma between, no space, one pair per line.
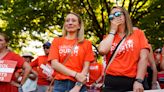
(70,63)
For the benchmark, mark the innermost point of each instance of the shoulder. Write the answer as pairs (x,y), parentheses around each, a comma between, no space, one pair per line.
(137,30)
(14,55)
(42,56)
(58,39)
(87,41)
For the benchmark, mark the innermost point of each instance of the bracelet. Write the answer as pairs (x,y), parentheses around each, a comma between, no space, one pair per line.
(112,33)
(75,75)
(154,82)
(139,80)
(20,85)
(79,84)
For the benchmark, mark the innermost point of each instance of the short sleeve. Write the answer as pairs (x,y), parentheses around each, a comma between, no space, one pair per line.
(19,59)
(54,50)
(34,63)
(89,56)
(143,41)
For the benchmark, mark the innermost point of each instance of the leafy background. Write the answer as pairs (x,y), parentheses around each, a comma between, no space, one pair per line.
(41,20)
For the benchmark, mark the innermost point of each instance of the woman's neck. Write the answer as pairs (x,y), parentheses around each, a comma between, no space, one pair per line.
(71,36)
(3,52)
(121,30)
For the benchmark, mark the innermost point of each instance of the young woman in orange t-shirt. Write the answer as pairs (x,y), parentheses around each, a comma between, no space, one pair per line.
(128,68)
(71,75)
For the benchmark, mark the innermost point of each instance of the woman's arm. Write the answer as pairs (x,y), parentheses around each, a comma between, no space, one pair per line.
(85,70)
(141,69)
(33,75)
(153,66)
(162,63)
(106,44)
(66,71)
(27,70)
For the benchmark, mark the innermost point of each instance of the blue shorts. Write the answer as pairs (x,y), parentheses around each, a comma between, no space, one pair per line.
(66,86)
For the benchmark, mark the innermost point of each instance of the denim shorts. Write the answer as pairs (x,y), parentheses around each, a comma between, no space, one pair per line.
(66,86)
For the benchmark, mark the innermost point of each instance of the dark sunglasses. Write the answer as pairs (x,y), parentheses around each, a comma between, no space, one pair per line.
(116,14)
(158,52)
(45,47)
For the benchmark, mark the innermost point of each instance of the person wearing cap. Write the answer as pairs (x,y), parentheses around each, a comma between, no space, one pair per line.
(40,62)
(27,57)
(31,82)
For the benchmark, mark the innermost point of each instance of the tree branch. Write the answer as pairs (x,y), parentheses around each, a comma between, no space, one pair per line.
(102,16)
(123,3)
(94,16)
(130,6)
(135,6)
(140,6)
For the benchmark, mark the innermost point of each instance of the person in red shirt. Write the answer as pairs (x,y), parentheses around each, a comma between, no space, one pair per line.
(96,71)
(158,58)
(6,54)
(162,63)
(31,82)
(44,77)
(128,68)
(152,71)
(71,75)
(161,72)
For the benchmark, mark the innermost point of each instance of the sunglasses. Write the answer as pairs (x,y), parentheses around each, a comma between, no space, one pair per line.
(45,47)
(116,14)
(158,52)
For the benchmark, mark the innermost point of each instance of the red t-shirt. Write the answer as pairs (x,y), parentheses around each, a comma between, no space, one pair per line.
(126,60)
(95,72)
(7,87)
(82,52)
(42,78)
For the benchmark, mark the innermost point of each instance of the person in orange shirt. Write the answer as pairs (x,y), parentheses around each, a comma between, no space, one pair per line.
(128,68)
(44,78)
(71,75)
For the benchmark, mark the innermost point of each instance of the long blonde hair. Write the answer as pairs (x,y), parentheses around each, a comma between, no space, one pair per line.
(80,34)
(128,22)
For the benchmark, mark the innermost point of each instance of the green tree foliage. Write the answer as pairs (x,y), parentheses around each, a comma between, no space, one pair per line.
(41,16)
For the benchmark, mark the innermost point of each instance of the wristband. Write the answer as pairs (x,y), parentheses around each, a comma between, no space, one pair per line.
(139,80)
(112,33)
(79,84)
(154,83)
(20,85)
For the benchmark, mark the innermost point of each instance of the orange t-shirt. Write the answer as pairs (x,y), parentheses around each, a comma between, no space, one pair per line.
(126,60)
(95,72)
(82,52)
(42,78)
